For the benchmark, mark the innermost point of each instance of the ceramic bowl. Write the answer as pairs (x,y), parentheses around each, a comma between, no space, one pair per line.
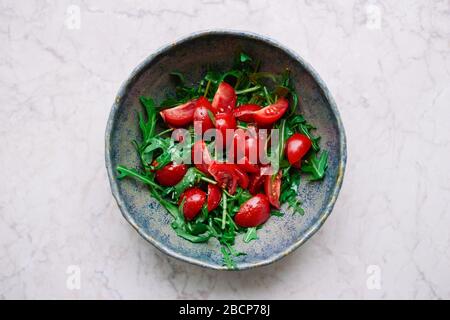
(191,56)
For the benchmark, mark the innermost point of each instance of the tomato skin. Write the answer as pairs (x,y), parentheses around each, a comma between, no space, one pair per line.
(272,187)
(256,181)
(242,178)
(171,174)
(245,164)
(254,212)
(194,198)
(199,148)
(203,102)
(246,147)
(214,197)
(225,121)
(245,112)
(179,116)
(224,100)
(272,113)
(296,147)
(228,175)
(201,114)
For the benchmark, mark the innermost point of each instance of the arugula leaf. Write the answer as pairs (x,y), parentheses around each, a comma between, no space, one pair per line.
(191,237)
(213,76)
(297,123)
(196,228)
(228,261)
(250,235)
(316,166)
(289,187)
(244,57)
(170,207)
(233,73)
(147,127)
(306,128)
(191,178)
(276,213)
(127,172)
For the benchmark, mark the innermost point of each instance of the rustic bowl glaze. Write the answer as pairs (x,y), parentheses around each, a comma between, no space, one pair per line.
(191,56)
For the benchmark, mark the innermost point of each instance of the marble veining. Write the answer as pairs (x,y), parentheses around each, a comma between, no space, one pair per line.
(387,64)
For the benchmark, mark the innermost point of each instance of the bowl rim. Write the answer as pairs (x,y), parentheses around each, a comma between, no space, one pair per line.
(246,34)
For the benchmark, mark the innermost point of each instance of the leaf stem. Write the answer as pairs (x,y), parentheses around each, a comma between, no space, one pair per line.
(207,88)
(208,180)
(249,90)
(138,176)
(164,132)
(266,93)
(224,211)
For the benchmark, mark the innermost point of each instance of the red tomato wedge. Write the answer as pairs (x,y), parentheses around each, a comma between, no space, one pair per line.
(242,178)
(228,176)
(246,149)
(179,116)
(254,212)
(272,187)
(194,198)
(245,112)
(225,99)
(203,102)
(296,147)
(214,196)
(200,156)
(272,113)
(171,174)
(201,116)
(245,164)
(246,143)
(225,121)
(256,181)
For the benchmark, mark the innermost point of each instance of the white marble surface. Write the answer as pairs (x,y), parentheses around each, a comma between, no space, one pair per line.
(387,64)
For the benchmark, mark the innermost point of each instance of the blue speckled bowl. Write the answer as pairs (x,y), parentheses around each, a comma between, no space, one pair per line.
(191,55)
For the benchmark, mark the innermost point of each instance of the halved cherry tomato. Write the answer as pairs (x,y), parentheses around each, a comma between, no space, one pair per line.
(201,114)
(254,212)
(256,182)
(214,196)
(200,156)
(272,187)
(171,174)
(179,116)
(246,149)
(246,165)
(296,147)
(246,142)
(228,176)
(194,198)
(225,99)
(245,112)
(225,121)
(271,113)
(242,178)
